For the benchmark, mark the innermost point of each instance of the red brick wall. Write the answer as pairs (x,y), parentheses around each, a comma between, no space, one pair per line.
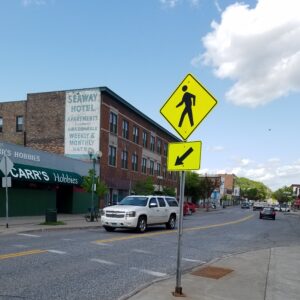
(9,112)
(45,119)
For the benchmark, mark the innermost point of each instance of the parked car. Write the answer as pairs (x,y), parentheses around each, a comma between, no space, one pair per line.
(138,212)
(245,205)
(186,209)
(284,207)
(268,213)
(192,207)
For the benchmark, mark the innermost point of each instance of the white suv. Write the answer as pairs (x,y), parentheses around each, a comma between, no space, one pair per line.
(140,211)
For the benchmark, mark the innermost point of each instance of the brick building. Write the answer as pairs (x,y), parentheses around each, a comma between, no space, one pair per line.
(71,122)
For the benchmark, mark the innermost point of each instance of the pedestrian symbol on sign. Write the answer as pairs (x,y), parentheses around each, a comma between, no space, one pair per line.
(189,100)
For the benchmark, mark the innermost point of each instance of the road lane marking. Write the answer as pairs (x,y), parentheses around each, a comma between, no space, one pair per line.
(194,260)
(20,246)
(101,244)
(105,262)
(30,235)
(153,273)
(24,253)
(57,251)
(145,235)
(142,251)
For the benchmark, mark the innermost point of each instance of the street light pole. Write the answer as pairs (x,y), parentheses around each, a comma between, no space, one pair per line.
(93,157)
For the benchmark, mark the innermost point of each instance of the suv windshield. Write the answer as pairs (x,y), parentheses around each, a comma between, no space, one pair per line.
(135,201)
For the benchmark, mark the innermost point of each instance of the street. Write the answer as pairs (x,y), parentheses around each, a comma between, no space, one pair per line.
(95,264)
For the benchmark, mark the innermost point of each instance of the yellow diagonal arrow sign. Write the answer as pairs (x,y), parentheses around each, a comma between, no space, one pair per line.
(184,156)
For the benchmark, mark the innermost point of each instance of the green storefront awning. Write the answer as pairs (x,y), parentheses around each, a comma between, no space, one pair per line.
(44,175)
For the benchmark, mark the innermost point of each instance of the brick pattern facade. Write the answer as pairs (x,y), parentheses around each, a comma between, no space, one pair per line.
(9,112)
(45,124)
(45,121)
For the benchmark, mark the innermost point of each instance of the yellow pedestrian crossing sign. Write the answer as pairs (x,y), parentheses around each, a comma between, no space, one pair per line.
(189,104)
(184,156)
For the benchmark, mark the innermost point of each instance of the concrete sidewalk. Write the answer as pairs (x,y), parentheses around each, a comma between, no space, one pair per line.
(269,274)
(33,223)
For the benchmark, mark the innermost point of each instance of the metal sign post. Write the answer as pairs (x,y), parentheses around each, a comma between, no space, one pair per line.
(6,190)
(189,104)
(178,288)
(5,166)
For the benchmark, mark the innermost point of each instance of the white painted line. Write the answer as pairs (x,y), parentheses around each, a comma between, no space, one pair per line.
(194,260)
(105,262)
(153,273)
(57,251)
(102,244)
(67,239)
(30,235)
(21,246)
(141,251)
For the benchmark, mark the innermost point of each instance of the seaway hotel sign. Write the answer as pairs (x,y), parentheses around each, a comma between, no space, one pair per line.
(82,122)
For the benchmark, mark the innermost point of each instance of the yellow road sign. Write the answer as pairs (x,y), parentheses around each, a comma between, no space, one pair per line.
(184,156)
(188,106)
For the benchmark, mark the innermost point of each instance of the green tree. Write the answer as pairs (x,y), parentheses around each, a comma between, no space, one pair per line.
(251,189)
(144,187)
(169,191)
(192,188)
(283,195)
(101,187)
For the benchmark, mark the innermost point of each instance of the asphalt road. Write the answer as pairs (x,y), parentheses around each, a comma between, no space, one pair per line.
(95,264)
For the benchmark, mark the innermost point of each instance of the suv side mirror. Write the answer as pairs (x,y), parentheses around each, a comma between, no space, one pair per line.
(152,205)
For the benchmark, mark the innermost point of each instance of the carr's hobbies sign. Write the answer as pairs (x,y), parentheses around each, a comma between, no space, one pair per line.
(44,175)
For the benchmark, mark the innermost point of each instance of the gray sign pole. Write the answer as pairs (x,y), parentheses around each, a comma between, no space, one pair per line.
(6,190)
(178,288)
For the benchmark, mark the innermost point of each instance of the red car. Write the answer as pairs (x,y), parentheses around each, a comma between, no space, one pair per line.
(186,209)
(192,207)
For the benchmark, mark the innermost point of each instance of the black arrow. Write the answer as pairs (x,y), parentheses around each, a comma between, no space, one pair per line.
(179,160)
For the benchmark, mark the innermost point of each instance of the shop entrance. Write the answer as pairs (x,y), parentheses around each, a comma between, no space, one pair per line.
(64,196)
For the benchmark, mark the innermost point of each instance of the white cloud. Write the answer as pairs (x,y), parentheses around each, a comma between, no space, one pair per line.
(33,2)
(215,148)
(173,3)
(258,48)
(272,173)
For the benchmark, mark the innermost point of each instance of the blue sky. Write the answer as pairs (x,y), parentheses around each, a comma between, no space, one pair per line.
(247,54)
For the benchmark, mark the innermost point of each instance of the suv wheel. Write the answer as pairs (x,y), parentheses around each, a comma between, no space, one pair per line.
(109,229)
(141,224)
(171,223)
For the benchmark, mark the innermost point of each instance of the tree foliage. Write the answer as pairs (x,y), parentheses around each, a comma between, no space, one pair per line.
(283,194)
(144,187)
(101,187)
(192,185)
(251,189)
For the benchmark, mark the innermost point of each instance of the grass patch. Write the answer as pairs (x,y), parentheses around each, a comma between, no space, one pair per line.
(53,223)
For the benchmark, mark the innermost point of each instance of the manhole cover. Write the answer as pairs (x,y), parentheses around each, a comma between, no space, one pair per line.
(212,272)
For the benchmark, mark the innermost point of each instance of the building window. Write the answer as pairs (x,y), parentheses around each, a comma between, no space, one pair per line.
(158,169)
(164,174)
(151,169)
(112,155)
(19,123)
(134,162)
(145,139)
(135,134)
(125,129)
(1,124)
(158,146)
(165,149)
(124,159)
(152,143)
(113,122)
(144,165)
